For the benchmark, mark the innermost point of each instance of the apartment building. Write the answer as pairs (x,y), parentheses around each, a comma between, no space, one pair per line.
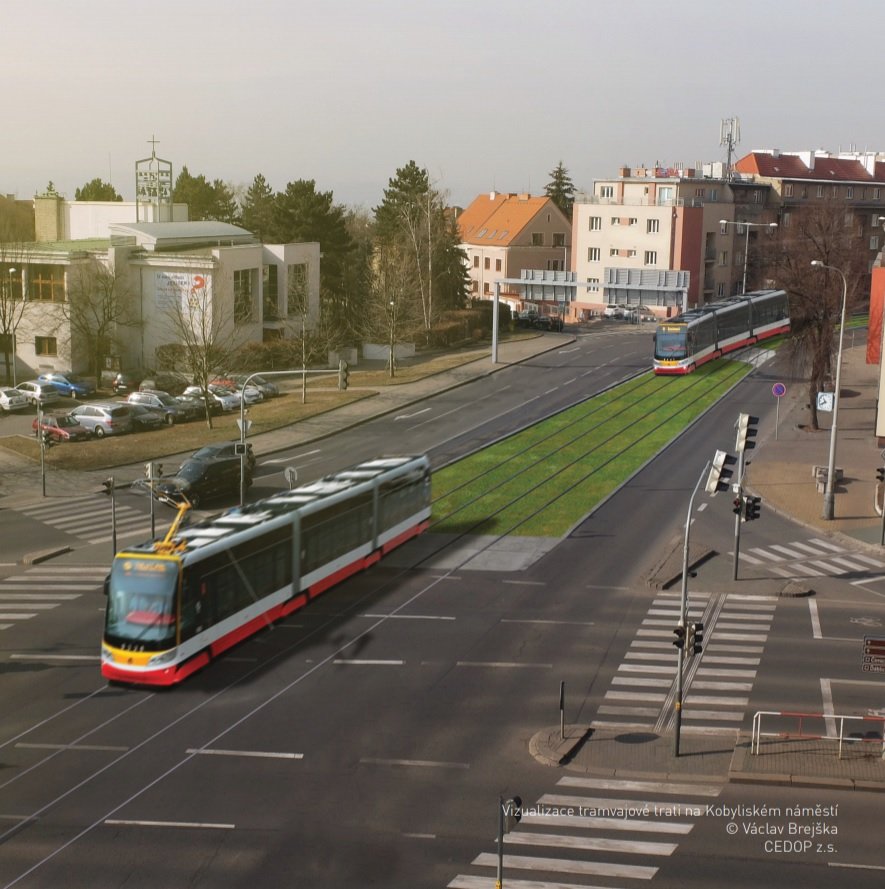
(503,234)
(653,236)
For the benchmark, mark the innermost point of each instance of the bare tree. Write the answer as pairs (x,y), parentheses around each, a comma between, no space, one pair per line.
(826,231)
(394,314)
(204,337)
(98,304)
(12,305)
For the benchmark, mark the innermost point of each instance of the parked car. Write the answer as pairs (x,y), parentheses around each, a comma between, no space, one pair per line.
(266,387)
(173,411)
(227,400)
(104,418)
(202,480)
(62,427)
(251,394)
(145,419)
(125,382)
(12,400)
(69,384)
(225,450)
(195,406)
(172,382)
(38,392)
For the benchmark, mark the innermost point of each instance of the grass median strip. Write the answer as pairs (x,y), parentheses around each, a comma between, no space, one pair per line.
(541,481)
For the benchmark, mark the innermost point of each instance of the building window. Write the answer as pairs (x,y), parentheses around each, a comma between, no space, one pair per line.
(820,191)
(270,290)
(497,265)
(593,254)
(242,295)
(593,285)
(874,242)
(559,239)
(757,197)
(849,192)
(45,345)
(720,289)
(700,192)
(487,263)
(714,194)
(786,219)
(633,220)
(46,283)
(537,239)
(476,262)
(875,194)
(788,189)
(723,257)
(651,257)
(474,286)
(595,223)
(613,251)
(296,304)
(606,191)
(616,220)
(486,288)
(652,226)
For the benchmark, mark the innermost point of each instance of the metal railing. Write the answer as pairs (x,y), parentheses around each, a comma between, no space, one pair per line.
(802,718)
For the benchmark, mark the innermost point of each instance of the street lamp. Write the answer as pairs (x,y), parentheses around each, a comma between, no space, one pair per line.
(748,225)
(829,496)
(10,272)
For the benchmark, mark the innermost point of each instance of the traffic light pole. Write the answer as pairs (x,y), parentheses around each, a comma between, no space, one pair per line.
(683,613)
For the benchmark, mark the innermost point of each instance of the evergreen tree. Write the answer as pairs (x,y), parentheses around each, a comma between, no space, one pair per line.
(204,199)
(96,190)
(561,190)
(258,208)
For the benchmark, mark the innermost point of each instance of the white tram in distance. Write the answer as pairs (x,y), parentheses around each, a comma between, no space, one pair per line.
(174,605)
(707,332)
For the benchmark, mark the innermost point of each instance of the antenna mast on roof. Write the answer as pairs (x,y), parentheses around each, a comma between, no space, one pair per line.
(729,135)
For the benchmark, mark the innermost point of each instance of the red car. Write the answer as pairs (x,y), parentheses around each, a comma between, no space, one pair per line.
(62,428)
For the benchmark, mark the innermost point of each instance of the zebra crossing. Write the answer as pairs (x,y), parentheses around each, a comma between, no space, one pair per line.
(580,834)
(716,683)
(42,588)
(89,518)
(814,557)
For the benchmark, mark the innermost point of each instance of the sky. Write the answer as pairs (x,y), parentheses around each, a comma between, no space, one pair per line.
(486,95)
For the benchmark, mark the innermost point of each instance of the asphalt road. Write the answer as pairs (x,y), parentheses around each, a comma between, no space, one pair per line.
(366,739)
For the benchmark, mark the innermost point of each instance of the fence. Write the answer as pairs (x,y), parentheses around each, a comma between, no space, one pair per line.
(831,722)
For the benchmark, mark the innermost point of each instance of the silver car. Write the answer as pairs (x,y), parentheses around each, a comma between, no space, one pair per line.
(107,418)
(39,393)
(12,400)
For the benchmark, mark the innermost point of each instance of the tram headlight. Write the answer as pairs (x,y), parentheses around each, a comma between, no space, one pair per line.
(163,658)
(107,655)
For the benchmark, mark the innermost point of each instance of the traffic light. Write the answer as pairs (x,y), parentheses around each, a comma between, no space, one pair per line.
(720,472)
(695,638)
(880,474)
(746,433)
(343,374)
(48,441)
(679,631)
(108,485)
(512,812)
(738,506)
(751,508)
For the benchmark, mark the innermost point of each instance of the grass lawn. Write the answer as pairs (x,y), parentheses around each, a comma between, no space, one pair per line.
(541,481)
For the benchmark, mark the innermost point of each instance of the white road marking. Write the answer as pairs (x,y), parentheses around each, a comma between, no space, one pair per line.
(204,825)
(263,754)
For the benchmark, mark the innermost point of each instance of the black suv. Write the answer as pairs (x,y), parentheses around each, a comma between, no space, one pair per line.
(201,480)
(226,450)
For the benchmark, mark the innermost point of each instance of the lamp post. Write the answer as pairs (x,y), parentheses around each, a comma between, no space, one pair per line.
(829,495)
(10,272)
(748,226)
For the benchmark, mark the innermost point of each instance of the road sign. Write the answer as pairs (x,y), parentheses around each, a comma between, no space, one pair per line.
(874,645)
(778,390)
(244,426)
(291,474)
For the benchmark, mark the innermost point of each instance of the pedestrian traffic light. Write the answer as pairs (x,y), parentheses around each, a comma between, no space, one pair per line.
(47,439)
(679,632)
(720,472)
(512,812)
(746,433)
(738,507)
(343,374)
(880,474)
(751,508)
(695,638)
(108,485)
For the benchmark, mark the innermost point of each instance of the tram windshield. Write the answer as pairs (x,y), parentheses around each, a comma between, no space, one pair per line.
(670,343)
(141,608)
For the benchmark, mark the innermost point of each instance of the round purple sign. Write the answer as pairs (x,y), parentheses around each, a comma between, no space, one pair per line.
(778,390)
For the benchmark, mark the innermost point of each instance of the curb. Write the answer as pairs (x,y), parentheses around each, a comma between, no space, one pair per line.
(44,555)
